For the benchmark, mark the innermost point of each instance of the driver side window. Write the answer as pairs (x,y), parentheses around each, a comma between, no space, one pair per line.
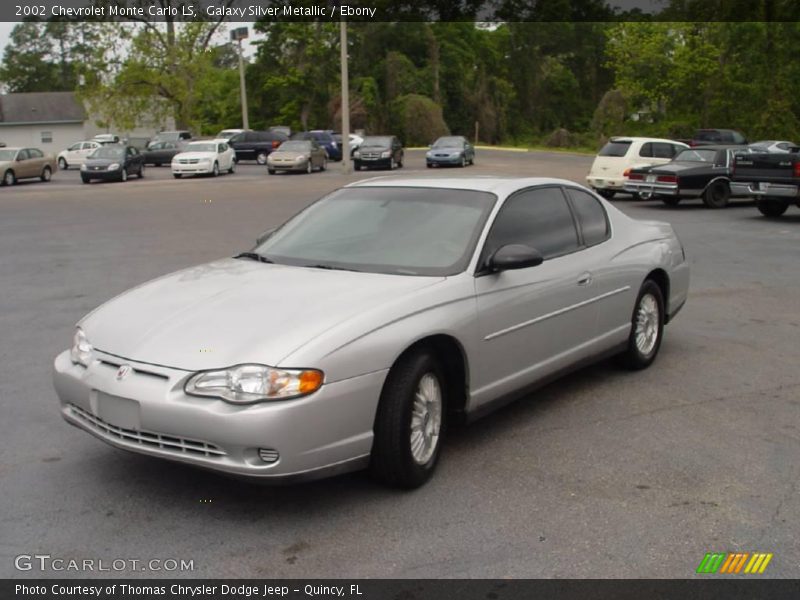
(539,218)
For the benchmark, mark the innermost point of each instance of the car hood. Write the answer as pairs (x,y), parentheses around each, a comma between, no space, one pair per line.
(287,154)
(236,311)
(102,162)
(195,155)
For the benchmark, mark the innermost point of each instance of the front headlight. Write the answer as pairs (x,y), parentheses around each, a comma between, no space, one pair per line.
(356,154)
(81,352)
(300,159)
(113,166)
(386,154)
(246,384)
(84,167)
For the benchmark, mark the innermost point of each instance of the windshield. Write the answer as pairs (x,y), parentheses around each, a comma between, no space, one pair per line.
(615,149)
(201,147)
(404,231)
(108,152)
(381,142)
(695,155)
(8,154)
(295,146)
(449,142)
(170,136)
(227,133)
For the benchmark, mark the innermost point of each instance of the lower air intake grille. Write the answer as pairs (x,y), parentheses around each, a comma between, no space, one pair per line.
(268,455)
(169,443)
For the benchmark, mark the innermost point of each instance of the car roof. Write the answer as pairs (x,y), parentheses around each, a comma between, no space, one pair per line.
(494,184)
(633,138)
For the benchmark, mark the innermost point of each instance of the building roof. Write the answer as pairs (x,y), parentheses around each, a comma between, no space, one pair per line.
(41,107)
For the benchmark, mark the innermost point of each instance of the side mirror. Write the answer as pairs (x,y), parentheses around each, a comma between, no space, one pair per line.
(514,256)
(263,237)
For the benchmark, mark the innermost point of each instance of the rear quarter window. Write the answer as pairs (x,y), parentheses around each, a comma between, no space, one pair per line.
(591,215)
(615,149)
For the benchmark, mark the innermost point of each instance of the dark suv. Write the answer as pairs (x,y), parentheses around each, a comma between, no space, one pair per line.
(384,151)
(707,137)
(256,145)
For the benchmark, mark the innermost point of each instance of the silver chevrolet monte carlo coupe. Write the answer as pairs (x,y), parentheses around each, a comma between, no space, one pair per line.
(351,336)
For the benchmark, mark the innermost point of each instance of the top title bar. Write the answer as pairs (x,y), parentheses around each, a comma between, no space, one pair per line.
(398,10)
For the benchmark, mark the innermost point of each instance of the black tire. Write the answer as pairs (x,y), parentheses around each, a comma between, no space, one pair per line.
(176,175)
(310,167)
(62,164)
(772,208)
(47,173)
(123,175)
(9,178)
(324,164)
(463,163)
(261,158)
(392,163)
(156,164)
(671,200)
(141,171)
(215,170)
(271,171)
(232,168)
(717,195)
(85,179)
(357,166)
(634,357)
(429,165)
(400,162)
(607,194)
(392,460)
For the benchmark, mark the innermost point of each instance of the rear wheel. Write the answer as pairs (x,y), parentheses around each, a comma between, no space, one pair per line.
(47,173)
(410,421)
(62,164)
(607,194)
(717,194)
(647,328)
(324,164)
(770,207)
(261,158)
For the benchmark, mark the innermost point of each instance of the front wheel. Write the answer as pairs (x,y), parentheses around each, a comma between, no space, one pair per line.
(357,166)
(9,178)
(47,173)
(215,170)
(271,171)
(123,176)
(392,164)
(85,179)
(176,175)
(141,171)
(409,424)
(647,328)
(717,195)
(772,208)
(463,161)
(62,164)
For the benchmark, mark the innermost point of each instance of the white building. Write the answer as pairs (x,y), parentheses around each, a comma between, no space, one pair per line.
(52,121)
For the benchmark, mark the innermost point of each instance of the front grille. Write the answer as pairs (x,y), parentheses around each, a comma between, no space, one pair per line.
(148,439)
(116,365)
(370,155)
(188,161)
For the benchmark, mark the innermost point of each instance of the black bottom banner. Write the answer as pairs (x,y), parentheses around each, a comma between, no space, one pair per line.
(399,589)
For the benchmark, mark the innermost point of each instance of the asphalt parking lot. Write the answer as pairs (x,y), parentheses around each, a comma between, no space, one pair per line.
(603,474)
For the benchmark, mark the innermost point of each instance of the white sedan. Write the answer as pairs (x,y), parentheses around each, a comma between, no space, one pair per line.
(208,157)
(76,155)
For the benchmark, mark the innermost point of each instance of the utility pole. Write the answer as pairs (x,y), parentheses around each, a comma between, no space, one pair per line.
(345,98)
(237,35)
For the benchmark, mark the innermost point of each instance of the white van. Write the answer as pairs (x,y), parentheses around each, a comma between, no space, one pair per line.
(609,169)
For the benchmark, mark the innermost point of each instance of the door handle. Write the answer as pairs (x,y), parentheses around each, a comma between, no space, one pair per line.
(585,279)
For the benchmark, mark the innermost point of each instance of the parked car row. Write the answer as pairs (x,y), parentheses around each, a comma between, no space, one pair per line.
(673,171)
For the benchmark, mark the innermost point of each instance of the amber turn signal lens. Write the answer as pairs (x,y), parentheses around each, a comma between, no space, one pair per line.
(310,381)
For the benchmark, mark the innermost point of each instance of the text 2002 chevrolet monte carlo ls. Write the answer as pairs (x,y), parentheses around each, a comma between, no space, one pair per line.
(352,334)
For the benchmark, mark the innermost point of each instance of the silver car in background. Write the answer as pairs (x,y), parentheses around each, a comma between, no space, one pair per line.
(352,335)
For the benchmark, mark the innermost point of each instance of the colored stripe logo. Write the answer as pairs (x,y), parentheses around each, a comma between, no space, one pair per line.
(734,562)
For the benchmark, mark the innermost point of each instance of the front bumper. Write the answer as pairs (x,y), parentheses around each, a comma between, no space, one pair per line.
(195,169)
(765,189)
(443,160)
(287,166)
(652,188)
(374,163)
(105,174)
(148,412)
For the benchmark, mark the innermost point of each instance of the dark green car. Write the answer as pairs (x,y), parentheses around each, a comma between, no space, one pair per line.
(452,150)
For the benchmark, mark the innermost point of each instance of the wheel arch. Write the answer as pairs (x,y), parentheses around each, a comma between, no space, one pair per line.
(453,359)
(661,279)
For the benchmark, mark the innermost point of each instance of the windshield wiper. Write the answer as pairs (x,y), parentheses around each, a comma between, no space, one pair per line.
(331,268)
(255,256)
